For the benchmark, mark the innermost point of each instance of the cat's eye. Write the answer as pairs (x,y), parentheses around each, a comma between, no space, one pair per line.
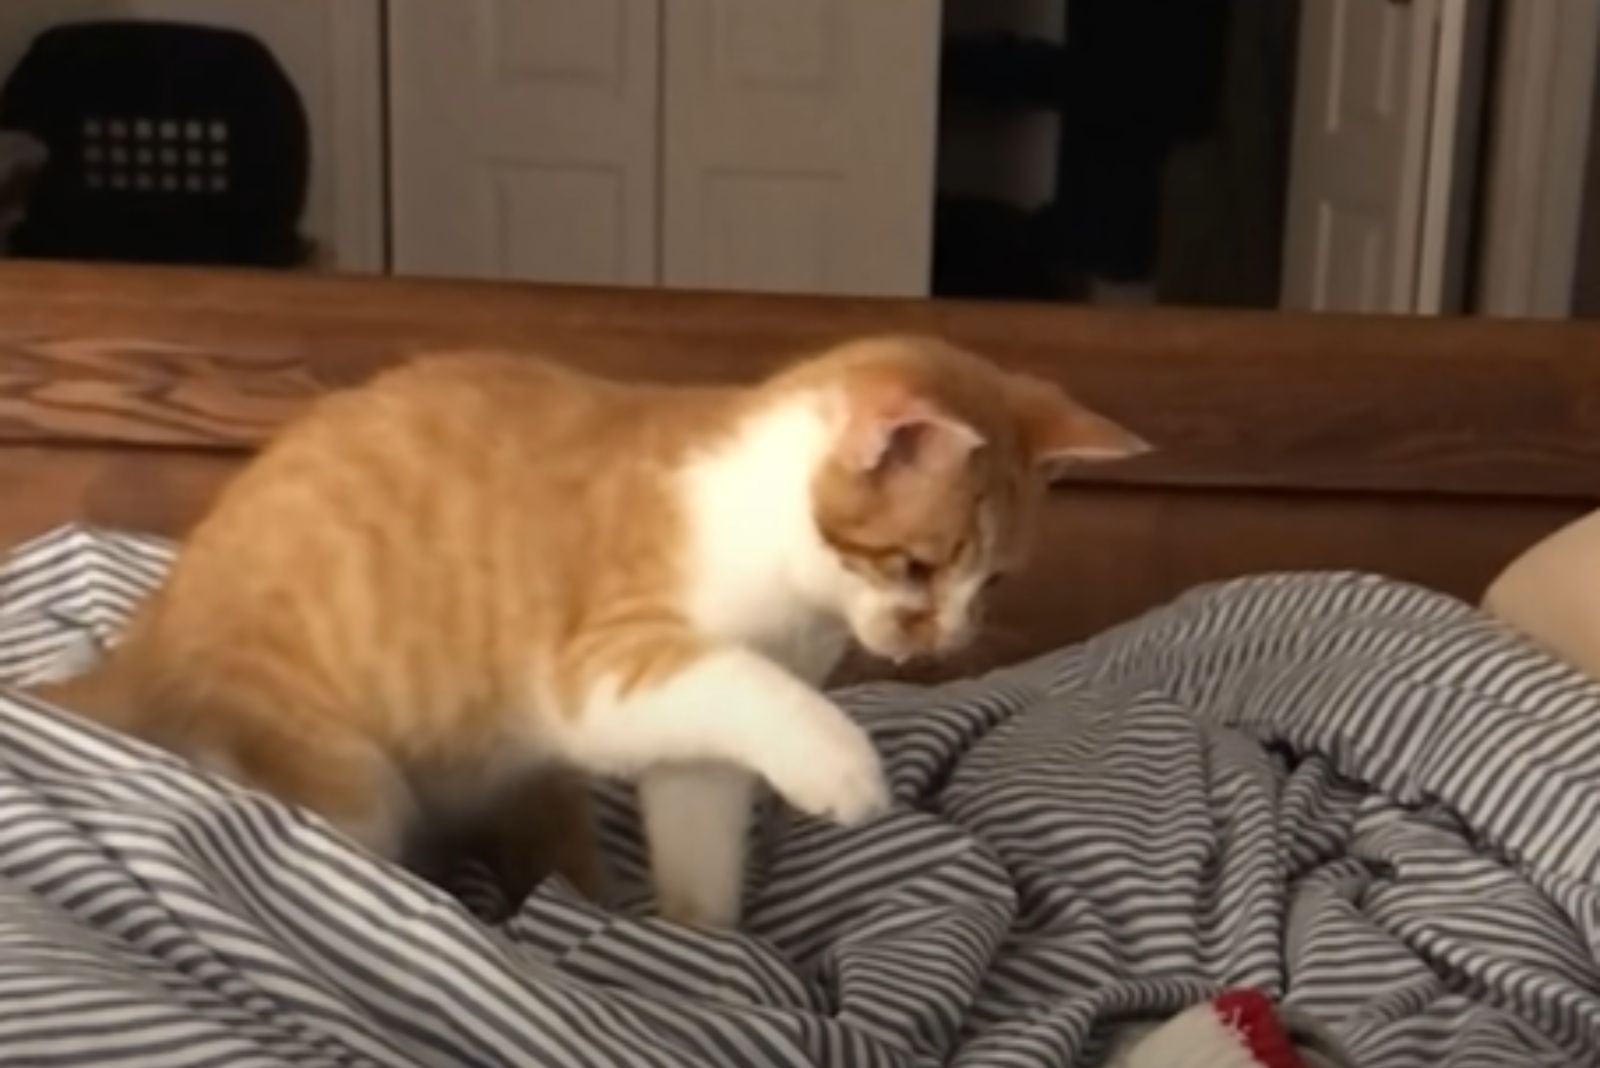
(917,572)
(994,580)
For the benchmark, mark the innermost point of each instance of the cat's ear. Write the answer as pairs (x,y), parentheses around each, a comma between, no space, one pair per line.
(907,433)
(1061,433)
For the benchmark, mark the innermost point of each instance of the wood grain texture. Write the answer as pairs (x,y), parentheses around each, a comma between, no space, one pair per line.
(1430,450)
(1108,554)
(1242,400)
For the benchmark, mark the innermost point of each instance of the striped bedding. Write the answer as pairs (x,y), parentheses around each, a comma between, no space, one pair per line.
(1352,794)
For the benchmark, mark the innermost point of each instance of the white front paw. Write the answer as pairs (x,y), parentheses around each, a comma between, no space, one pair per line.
(835,776)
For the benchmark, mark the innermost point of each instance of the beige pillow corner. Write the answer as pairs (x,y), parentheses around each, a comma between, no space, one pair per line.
(1551,593)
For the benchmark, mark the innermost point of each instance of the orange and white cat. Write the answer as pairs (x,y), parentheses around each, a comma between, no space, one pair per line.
(433,596)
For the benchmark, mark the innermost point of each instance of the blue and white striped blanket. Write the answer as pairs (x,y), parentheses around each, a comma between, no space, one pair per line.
(1358,796)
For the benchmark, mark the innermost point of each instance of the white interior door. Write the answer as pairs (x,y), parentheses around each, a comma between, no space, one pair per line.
(330,51)
(1381,163)
(523,138)
(799,144)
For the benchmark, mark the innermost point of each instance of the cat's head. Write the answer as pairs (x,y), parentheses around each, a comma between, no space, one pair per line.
(927,498)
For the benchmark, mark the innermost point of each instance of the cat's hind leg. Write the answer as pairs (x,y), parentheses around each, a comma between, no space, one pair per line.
(543,824)
(323,765)
(274,739)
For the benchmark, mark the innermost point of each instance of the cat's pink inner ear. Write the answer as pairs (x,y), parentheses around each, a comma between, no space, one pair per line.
(1060,432)
(909,435)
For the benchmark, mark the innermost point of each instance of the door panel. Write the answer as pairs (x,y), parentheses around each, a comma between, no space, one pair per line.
(800,144)
(524,138)
(1357,170)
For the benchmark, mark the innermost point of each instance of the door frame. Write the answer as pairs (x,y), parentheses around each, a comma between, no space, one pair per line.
(1541,102)
(1427,214)
(1451,158)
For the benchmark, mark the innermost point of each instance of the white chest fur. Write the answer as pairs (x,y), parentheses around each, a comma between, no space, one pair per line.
(759,573)
(759,577)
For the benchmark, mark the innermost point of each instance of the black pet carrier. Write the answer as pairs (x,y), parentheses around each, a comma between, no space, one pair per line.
(168,143)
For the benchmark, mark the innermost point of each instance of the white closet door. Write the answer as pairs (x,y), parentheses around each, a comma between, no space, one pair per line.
(1383,115)
(799,144)
(523,138)
(331,52)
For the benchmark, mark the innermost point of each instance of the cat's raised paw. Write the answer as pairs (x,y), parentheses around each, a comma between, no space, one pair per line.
(842,781)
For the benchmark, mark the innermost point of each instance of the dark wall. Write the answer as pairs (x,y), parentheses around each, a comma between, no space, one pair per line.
(1586,280)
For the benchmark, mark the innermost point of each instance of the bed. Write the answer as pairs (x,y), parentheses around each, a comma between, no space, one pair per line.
(1238,726)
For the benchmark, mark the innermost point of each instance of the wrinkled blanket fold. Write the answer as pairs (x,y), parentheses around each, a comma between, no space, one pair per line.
(1359,798)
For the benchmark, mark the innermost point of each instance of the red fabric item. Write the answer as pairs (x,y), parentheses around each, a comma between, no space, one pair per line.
(1252,1015)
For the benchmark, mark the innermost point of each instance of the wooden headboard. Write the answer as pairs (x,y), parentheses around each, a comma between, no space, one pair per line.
(1433,450)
